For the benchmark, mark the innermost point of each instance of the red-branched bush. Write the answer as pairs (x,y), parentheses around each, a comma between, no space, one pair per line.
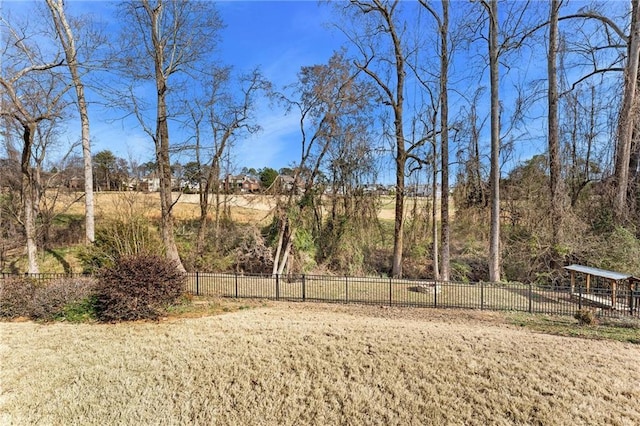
(16,294)
(138,287)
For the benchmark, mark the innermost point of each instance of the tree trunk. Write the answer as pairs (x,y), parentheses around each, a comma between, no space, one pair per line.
(555,179)
(634,163)
(161,141)
(434,213)
(401,156)
(398,232)
(628,117)
(28,199)
(68,43)
(494,178)
(287,252)
(211,184)
(276,257)
(444,136)
(164,170)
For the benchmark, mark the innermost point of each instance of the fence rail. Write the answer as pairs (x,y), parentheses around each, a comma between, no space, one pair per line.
(556,300)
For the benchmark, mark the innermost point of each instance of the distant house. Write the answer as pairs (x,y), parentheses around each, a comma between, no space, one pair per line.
(149,183)
(286,183)
(240,184)
(75,183)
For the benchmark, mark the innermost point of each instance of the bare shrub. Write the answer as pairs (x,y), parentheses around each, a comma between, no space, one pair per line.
(52,300)
(585,317)
(16,294)
(253,254)
(138,287)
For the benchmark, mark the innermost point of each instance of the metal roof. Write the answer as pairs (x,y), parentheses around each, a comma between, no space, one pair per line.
(616,276)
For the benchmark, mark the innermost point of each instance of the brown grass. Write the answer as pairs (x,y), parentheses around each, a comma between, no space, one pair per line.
(287,364)
(244,207)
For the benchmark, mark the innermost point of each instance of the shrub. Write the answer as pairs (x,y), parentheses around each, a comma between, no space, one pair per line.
(585,317)
(57,298)
(138,287)
(127,237)
(16,294)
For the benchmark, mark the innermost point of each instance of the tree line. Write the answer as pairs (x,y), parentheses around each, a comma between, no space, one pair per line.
(447,96)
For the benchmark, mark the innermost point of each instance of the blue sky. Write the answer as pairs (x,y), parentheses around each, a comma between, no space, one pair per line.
(281,37)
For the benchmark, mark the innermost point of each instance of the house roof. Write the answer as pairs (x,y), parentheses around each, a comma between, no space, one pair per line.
(611,275)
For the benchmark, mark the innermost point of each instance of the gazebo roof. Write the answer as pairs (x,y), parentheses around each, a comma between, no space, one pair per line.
(611,275)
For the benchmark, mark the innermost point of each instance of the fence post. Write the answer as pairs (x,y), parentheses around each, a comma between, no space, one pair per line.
(278,287)
(390,292)
(530,297)
(197,283)
(346,289)
(435,294)
(482,295)
(236,282)
(580,296)
(304,290)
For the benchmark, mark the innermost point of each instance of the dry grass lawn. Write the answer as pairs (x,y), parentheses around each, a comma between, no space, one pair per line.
(244,207)
(293,364)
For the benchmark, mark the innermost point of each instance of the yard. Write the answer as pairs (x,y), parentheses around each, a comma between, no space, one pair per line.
(296,363)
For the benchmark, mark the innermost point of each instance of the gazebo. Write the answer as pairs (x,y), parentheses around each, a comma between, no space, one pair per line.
(618,282)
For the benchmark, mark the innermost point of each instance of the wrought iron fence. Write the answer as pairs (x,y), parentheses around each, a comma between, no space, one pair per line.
(555,300)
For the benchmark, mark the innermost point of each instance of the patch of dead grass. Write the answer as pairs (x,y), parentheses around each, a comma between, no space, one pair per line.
(293,363)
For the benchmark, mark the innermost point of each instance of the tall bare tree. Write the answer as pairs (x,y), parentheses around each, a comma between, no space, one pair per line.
(491,7)
(384,15)
(628,115)
(624,58)
(68,42)
(32,93)
(162,40)
(443,54)
(555,178)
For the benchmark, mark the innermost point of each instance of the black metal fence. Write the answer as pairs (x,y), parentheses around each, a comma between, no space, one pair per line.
(556,300)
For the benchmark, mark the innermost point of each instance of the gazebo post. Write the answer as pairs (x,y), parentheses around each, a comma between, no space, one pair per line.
(573,281)
(588,282)
(613,294)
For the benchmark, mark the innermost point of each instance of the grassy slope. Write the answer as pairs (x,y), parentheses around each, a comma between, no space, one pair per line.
(314,364)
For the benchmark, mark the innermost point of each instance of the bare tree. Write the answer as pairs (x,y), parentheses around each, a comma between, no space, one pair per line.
(628,115)
(555,178)
(625,46)
(504,36)
(68,43)
(494,173)
(384,15)
(228,116)
(581,130)
(443,54)
(32,93)
(327,97)
(163,39)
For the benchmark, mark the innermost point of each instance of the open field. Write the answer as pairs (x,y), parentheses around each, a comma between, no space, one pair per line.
(244,207)
(288,363)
